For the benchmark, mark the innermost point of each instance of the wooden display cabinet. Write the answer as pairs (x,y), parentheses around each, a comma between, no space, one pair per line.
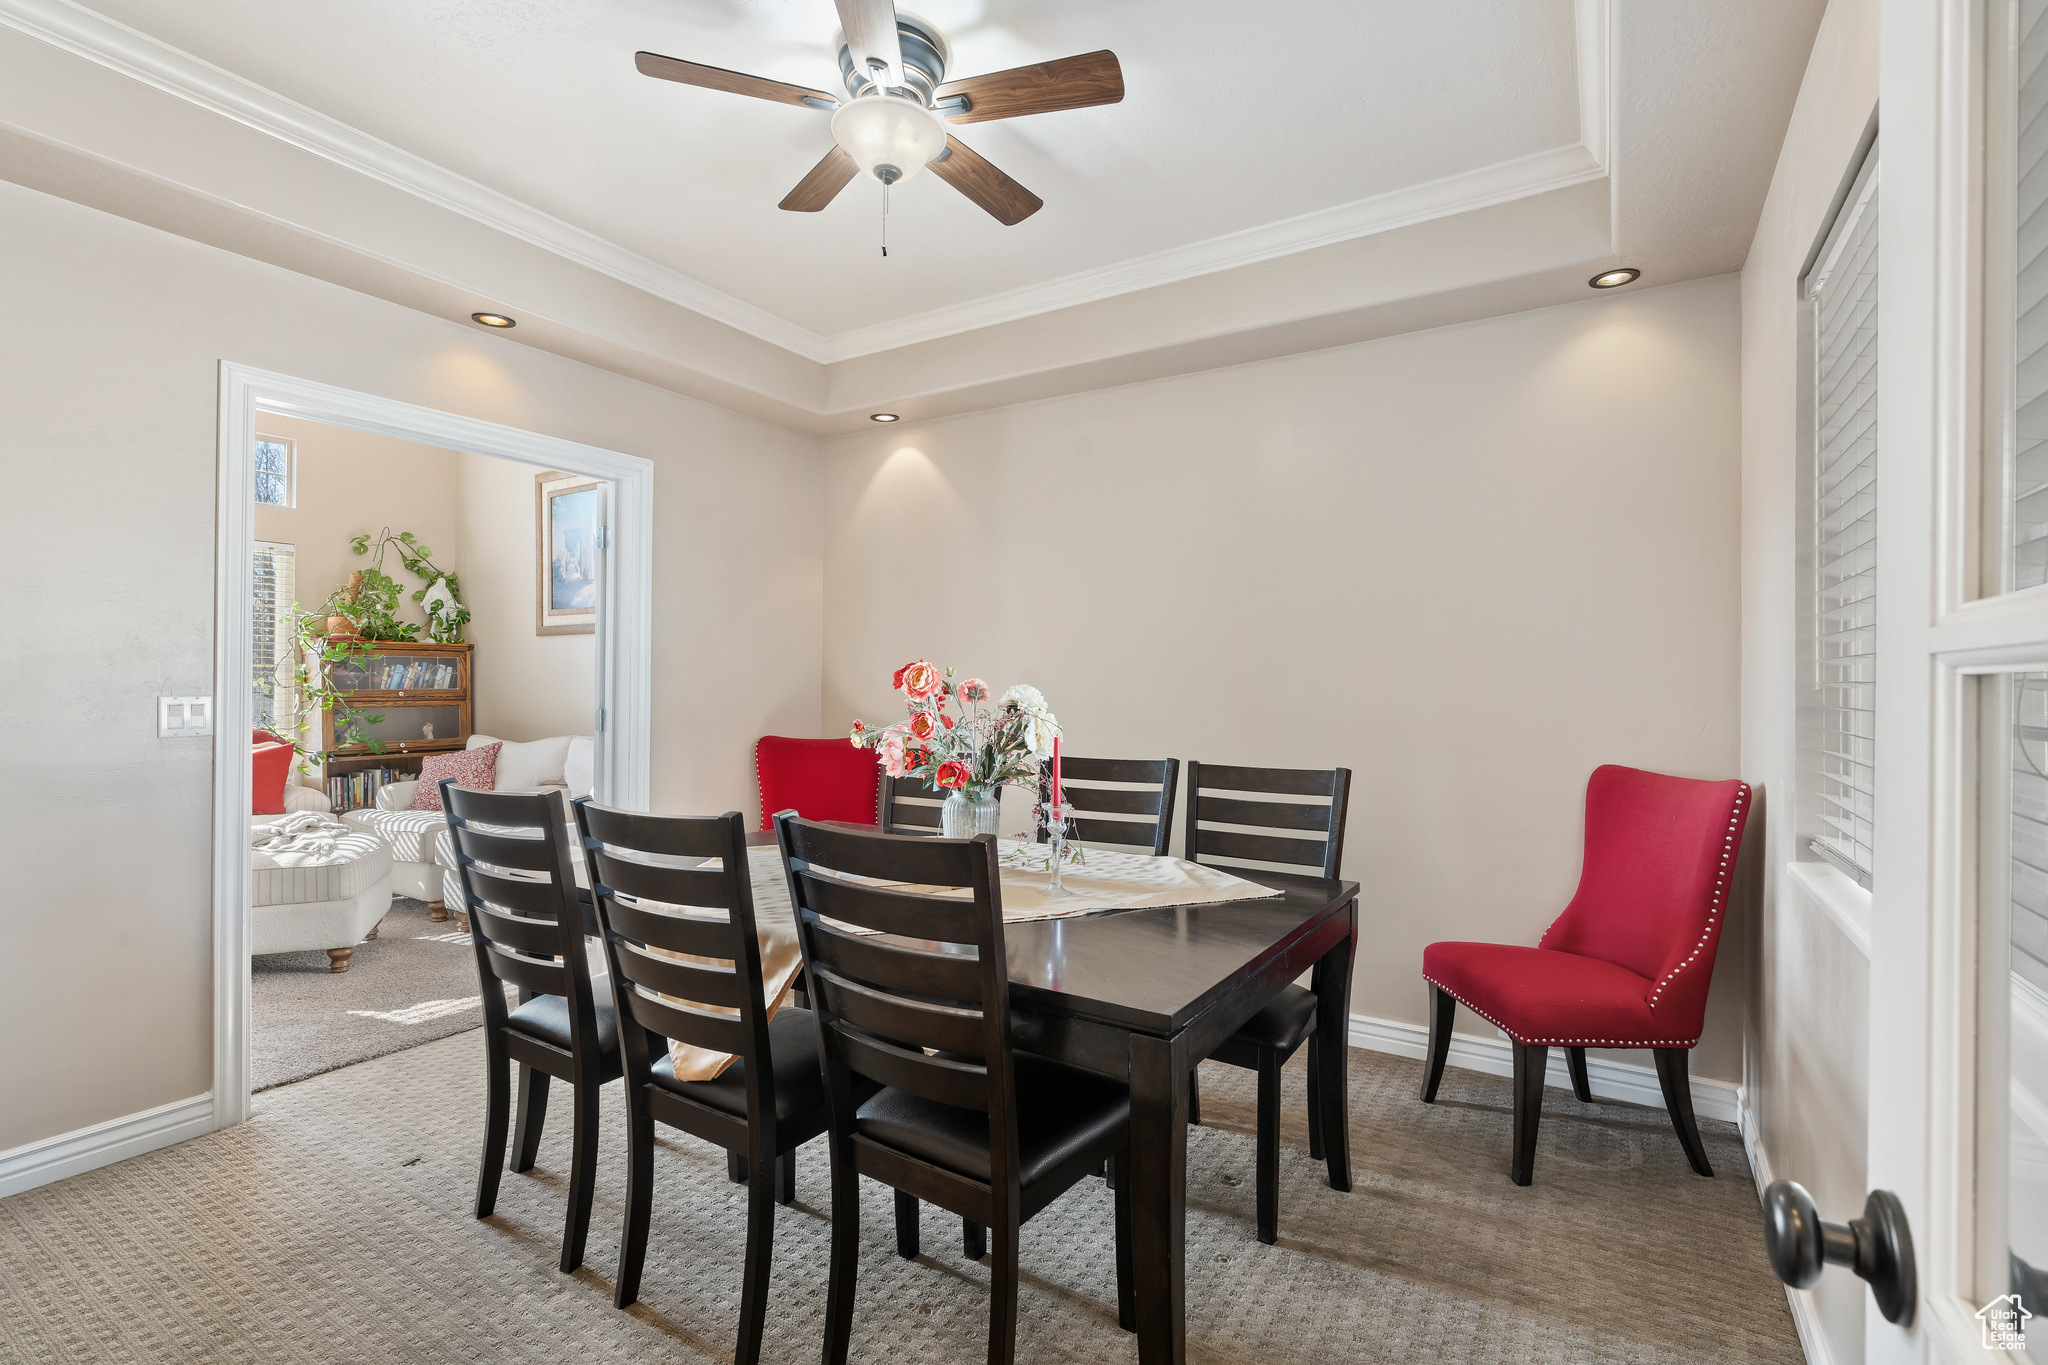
(423,691)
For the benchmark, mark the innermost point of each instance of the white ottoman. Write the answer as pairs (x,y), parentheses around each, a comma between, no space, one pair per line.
(331,903)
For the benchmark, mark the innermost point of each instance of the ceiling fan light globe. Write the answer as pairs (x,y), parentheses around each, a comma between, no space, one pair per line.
(888,131)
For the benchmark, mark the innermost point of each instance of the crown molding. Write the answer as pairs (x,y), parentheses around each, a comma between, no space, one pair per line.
(83,33)
(109,43)
(1522,178)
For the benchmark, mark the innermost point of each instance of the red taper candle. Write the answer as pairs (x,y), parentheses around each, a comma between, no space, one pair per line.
(1056,770)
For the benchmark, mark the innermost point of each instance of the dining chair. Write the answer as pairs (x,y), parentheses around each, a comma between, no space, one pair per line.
(1628,962)
(823,779)
(909,806)
(1308,834)
(961,1121)
(1150,829)
(512,862)
(695,977)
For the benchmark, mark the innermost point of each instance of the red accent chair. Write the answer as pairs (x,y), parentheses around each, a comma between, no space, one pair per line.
(820,779)
(1628,962)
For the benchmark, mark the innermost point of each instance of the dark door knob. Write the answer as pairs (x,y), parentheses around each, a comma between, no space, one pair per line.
(1878,1246)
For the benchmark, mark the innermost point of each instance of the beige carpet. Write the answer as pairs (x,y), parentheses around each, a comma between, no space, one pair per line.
(334,1226)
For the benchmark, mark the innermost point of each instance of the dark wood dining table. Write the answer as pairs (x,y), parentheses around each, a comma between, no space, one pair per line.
(1144,995)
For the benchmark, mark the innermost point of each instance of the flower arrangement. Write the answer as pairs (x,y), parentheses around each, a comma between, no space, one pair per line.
(976,747)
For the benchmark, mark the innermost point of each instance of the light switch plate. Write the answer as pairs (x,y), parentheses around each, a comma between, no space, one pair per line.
(181,717)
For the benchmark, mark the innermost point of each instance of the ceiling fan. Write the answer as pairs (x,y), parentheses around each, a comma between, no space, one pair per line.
(892,122)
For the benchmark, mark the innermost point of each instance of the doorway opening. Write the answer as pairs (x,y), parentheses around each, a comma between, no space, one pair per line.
(400,589)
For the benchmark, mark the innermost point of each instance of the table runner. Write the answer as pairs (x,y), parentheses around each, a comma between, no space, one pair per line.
(1103,881)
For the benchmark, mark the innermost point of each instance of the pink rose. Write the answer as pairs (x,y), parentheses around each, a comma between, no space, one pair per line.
(974,689)
(952,773)
(891,751)
(921,680)
(923,725)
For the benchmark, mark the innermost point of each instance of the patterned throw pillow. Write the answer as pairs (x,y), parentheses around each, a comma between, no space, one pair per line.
(476,769)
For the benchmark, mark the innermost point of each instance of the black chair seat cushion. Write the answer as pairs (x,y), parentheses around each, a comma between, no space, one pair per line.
(1281,1025)
(1060,1111)
(793,1050)
(546,1017)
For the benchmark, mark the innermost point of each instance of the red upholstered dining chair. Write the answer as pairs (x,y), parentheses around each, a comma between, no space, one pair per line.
(1628,962)
(819,779)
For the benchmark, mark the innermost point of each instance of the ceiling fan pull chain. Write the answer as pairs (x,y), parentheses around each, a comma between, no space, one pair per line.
(885,220)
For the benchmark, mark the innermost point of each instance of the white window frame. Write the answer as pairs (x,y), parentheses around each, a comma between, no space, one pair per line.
(291,470)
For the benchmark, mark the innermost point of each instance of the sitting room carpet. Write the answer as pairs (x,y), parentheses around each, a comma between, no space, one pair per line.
(335,1226)
(413,983)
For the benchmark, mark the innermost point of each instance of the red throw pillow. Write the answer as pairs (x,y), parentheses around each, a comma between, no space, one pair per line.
(270,765)
(476,769)
(820,779)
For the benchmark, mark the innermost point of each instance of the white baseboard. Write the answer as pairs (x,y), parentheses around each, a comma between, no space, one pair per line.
(1805,1309)
(1495,1056)
(39,1163)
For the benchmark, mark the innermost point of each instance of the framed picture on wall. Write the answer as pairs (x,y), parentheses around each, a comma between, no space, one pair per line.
(568,510)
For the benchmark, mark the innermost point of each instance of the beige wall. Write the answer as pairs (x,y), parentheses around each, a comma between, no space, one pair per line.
(1809,993)
(111,338)
(477,515)
(528,686)
(1470,564)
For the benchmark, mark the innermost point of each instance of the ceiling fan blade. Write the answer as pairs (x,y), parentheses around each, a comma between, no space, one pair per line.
(1069,83)
(824,182)
(871,35)
(732,82)
(1008,202)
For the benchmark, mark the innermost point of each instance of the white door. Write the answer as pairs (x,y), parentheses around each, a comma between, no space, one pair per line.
(1959,931)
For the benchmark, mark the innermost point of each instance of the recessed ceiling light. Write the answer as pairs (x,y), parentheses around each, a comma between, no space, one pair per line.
(492,319)
(882,417)
(1615,279)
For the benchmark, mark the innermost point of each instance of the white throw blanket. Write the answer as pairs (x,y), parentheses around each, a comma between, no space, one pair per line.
(299,840)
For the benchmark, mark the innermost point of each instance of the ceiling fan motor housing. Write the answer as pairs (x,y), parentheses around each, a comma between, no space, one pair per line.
(924,61)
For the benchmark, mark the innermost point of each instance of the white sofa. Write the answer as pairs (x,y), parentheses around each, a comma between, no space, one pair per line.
(561,761)
(330,904)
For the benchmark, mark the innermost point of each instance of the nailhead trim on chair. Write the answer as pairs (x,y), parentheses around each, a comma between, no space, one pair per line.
(1720,892)
(1553,1042)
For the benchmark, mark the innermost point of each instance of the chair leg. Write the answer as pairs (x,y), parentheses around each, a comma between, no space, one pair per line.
(1126,1272)
(1269,1147)
(839,1285)
(785,1178)
(639,1207)
(1443,1008)
(1575,1062)
(760,1258)
(973,1239)
(906,1225)
(1315,1098)
(582,1175)
(1671,1074)
(497,1113)
(532,1115)
(1002,1306)
(1195,1096)
(1530,1061)
(736,1167)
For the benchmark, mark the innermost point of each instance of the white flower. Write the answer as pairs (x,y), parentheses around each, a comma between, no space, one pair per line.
(1040,731)
(1027,697)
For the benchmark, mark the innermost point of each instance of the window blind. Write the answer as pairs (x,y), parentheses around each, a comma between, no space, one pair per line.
(274,698)
(2030,341)
(1843,291)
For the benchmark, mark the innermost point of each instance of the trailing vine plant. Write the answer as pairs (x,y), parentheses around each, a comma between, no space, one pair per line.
(446,616)
(310,671)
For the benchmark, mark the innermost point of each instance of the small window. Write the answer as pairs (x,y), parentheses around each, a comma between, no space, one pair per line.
(275,463)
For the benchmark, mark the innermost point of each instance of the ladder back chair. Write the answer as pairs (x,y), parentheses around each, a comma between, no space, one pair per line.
(518,886)
(912,991)
(909,806)
(771,1099)
(1310,839)
(1151,827)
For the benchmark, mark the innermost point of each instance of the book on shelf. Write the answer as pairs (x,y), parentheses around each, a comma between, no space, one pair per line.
(358,790)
